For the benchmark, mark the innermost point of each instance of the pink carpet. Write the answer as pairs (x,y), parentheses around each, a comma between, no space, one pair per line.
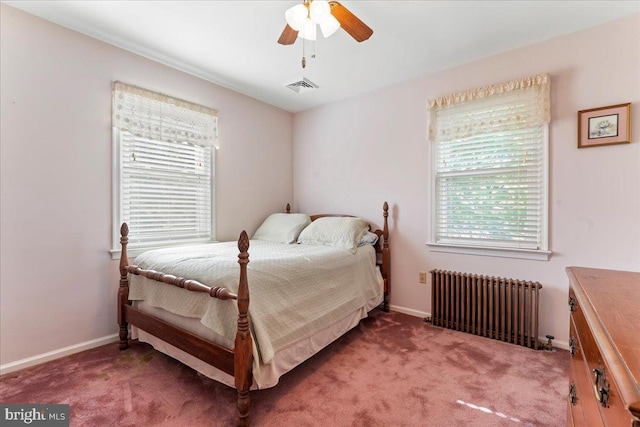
(391,370)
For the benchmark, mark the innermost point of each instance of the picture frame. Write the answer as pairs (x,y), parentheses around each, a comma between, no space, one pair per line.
(604,126)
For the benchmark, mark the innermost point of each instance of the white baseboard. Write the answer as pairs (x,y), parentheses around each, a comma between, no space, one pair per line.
(409,311)
(564,345)
(56,354)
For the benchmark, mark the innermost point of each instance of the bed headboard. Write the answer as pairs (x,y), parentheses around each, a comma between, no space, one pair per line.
(314,217)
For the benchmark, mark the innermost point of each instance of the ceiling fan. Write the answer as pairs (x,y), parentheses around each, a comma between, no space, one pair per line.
(302,21)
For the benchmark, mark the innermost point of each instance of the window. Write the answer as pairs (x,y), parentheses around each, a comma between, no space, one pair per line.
(489,174)
(164,169)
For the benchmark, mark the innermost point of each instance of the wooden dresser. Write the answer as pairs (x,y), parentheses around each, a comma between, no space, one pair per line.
(604,376)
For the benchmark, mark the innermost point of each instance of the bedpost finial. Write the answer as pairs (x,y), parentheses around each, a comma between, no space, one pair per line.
(243,242)
(385,228)
(124,241)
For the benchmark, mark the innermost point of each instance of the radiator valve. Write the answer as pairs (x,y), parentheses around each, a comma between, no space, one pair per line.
(548,346)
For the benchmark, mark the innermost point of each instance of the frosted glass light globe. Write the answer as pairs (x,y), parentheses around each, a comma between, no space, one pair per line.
(308,30)
(320,11)
(296,16)
(329,26)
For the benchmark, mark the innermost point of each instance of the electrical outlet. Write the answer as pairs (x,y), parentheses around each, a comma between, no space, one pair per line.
(423,277)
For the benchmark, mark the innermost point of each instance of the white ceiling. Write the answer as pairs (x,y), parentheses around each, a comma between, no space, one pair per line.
(234,43)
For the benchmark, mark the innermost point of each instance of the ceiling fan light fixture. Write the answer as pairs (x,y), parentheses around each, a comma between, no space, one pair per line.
(296,16)
(308,30)
(329,26)
(329,15)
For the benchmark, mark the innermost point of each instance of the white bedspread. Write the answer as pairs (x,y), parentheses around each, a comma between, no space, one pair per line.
(295,290)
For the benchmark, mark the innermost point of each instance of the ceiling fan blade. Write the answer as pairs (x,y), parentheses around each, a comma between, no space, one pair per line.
(288,35)
(350,22)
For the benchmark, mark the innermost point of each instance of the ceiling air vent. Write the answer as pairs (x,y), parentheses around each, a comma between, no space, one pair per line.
(303,85)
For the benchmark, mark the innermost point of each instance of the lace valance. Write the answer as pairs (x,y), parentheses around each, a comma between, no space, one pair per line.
(152,115)
(501,107)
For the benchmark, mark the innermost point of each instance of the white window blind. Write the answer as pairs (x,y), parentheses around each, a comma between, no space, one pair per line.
(489,174)
(164,180)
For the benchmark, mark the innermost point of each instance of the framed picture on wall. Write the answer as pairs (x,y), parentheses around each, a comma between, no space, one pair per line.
(604,126)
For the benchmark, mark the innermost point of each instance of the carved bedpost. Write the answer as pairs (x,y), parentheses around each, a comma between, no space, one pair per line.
(288,208)
(386,259)
(243,352)
(123,290)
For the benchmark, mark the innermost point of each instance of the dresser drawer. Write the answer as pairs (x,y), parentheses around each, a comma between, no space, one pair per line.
(595,388)
(583,408)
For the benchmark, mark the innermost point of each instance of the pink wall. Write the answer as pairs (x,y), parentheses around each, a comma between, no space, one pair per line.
(348,157)
(352,155)
(58,282)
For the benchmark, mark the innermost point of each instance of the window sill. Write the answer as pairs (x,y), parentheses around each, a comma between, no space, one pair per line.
(536,255)
(134,252)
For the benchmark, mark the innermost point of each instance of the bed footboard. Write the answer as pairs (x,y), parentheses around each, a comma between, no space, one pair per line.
(237,362)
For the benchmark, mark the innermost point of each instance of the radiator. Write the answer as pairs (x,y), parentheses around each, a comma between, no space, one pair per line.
(494,307)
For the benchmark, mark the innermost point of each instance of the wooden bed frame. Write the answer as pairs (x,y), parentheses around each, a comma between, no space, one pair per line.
(239,361)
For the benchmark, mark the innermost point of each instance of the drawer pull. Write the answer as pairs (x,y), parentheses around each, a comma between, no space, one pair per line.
(573,398)
(572,346)
(572,304)
(601,387)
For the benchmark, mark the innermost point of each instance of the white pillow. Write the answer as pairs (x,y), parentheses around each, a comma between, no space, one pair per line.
(368,238)
(282,227)
(341,232)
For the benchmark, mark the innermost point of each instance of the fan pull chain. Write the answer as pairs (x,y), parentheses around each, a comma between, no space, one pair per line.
(313,52)
(304,60)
